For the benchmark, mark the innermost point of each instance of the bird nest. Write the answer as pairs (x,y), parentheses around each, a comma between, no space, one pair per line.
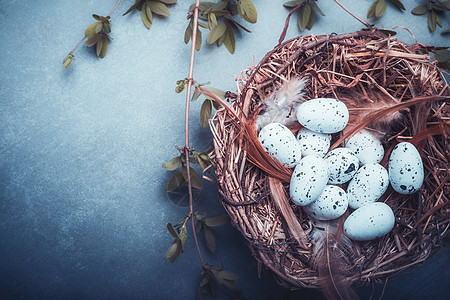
(372,74)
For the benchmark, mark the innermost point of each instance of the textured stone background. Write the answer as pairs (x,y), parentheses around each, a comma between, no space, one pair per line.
(82,203)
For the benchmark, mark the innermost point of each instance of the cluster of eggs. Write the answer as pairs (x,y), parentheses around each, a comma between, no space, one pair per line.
(319,176)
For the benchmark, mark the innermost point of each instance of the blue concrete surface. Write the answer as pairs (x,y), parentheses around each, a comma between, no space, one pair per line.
(82,203)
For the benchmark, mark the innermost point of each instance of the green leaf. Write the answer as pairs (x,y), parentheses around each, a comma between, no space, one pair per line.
(188,33)
(133,7)
(172,231)
(217,220)
(198,41)
(196,181)
(218,92)
(168,1)
(293,3)
(172,164)
(229,275)
(249,11)
(316,7)
(441,55)
(213,19)
(175,181)
(371,11)
(147,16)
(178,250)
(102,46)
(107,27)
(229,40)
(216,33)
(398,4)
(195,96)
(171,251)
(159,8)
(183,236)
(311,21)
(205,113)
(210,239)
(419,10)
(93,29)
(438,20)
(304,16)
(203,160)
(387,32)
(67,61)
(380,8)
(94,40)
(216,105)
(198,226)
(432,21)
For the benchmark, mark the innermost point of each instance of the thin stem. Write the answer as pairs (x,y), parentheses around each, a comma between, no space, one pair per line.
(352,14)
(79,43)
(117,4)
(186,146)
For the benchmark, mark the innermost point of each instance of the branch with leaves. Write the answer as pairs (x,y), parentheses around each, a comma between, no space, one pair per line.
(433,9)
(97,34)
(218,19)
(150,7)
(307,13)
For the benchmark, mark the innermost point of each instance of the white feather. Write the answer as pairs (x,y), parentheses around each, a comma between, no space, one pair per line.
(281,105)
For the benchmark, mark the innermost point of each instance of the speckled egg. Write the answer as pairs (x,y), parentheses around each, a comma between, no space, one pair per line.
(280,143)
(308,180)
(366,146)
(313,142)
(405,168)
(369,222)
(342,165)
(324,115)
(331,204)
(368,185)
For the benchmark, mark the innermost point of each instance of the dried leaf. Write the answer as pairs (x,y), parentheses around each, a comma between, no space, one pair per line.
(447,31)
(172,231)
(380,8)
(216,105)
(196,181)
(203,160)
(198,226)
(102,46)
(158,8)
(441,55)
(178,251)
(371,11)
(217,220)
(195,96)
(133,7)
(387,32)
(175,181)
(172,164)
(205,113)
(304,16)
(419,10)
(438,20)
(93,29)
(316,7)
(398,4)
(250,13)
(210,239)
(293,3)
(216,33)
(236,24)
(67,61)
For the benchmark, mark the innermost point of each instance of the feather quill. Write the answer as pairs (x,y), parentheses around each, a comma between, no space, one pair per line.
(280,106)
(329,256)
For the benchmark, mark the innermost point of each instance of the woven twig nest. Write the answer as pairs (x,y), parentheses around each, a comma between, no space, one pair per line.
(367,64)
